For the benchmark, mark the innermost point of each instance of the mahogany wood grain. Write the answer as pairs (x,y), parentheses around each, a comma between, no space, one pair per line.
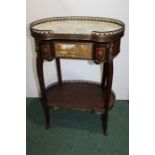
(108,85)
(78,95)
(58,70)
(39,63)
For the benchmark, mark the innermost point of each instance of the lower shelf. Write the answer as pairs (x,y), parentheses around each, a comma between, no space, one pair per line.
(81,95)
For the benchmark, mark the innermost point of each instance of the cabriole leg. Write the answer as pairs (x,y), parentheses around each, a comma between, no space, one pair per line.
(39,62)
(108,85)
(104,74)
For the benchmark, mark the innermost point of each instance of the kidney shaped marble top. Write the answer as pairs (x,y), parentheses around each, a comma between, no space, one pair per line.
(77,26)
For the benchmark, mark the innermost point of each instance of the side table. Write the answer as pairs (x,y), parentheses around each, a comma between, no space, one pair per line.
(75,37)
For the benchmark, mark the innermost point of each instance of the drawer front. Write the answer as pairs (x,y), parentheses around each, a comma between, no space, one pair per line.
(73,50)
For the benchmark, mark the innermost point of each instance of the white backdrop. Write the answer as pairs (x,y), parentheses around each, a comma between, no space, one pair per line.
(78,69)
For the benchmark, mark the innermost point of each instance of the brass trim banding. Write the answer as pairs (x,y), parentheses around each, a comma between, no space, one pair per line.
(95,36)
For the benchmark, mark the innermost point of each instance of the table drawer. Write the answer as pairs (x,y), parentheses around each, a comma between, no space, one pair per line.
(73,50)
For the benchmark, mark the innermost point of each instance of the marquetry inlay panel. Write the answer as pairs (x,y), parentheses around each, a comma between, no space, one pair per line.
(74,50)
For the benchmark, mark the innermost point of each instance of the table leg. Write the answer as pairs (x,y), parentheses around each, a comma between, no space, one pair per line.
(58,70)
(104,74)
(39,62)
(108,85)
